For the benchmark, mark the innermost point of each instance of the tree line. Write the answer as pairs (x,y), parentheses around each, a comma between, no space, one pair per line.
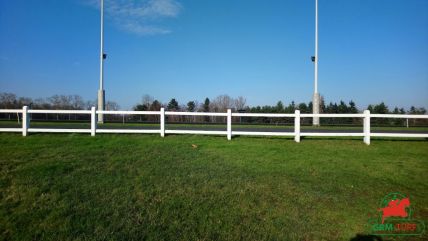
(223,102)
(218,104)
(55,102)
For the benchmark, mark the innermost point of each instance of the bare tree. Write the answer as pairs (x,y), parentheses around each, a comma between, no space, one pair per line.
(111,105)
(147,100)
(8,101)
(221,103)
(77,102)
(240,103)
(55,101)
(90,103)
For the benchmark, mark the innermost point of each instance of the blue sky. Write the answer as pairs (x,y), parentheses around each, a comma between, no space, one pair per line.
(370,50)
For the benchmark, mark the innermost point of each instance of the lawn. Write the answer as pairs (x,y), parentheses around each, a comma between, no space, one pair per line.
(144,187)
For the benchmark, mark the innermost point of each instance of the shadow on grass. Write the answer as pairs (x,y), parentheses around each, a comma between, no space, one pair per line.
(303,138)
(289,138)
(362,237)
(361,139)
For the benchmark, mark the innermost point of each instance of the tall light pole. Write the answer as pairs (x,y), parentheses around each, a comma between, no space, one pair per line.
(101,92)
(316,98)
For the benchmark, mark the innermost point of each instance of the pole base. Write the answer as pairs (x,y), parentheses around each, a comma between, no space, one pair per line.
(316,101)
(101,105)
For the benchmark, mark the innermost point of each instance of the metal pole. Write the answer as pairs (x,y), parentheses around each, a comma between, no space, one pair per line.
(316,97)
(101,92)
(316,48)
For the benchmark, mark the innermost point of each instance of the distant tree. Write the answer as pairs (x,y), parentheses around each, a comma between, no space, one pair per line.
(173,105)
(240,103)
(191,106)
(77,102)
(141,107)
(396,111)
(331,108)
(342,108)
(380,109)
(397,121)
(41,103)
(8,101)
(55,101)
(352,107)
(22,101)
(279,107)
(111,105)
(221,103)
(417,111)
(90,103)
(206,106)
(155,106)
(291,107)
(147,100)
(303,108)
(322,105)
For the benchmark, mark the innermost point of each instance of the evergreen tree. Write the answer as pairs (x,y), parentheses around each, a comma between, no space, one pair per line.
(380,109)
(155,106)
(191,106)
(206,105)
(342,108)
(303,108)
(279,107)
(352,107)
(173,105)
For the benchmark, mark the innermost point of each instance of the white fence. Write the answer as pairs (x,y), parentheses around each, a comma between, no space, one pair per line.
(366,134)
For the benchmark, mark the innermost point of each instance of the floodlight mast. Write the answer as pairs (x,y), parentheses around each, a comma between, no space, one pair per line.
(316,96)
(101,92)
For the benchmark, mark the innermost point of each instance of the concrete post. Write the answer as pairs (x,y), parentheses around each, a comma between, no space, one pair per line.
(297,126)
(229,124)
(367,127)
(316,109)
(25,121)
(101,105)
(93,121)
(162,122)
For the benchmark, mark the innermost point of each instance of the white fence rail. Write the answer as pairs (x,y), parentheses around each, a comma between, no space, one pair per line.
(366,134)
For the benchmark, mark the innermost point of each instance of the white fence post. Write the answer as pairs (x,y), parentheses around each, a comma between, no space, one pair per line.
(297,126)
(229,124)
(93,121)
(367,127)
(25,121)
(162,122)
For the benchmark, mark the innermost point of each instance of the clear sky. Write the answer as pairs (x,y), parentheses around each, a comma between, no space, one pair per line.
(369,50)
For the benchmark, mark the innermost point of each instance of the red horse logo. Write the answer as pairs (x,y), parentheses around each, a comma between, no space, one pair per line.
(395,208)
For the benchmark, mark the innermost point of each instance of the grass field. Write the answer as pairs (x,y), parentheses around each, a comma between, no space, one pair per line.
(144,187)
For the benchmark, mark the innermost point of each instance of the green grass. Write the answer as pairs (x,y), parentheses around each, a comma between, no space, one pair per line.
(144,187)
